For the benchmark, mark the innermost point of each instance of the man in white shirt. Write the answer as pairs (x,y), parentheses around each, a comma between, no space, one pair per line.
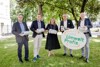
(85,25)
(37,28)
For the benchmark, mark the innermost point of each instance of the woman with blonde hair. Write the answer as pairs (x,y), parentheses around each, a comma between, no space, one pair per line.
(52,38)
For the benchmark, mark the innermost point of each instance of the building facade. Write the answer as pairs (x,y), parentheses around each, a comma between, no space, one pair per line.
(5,21)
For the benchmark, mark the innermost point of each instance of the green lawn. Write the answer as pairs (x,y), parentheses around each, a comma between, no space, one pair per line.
(8,56)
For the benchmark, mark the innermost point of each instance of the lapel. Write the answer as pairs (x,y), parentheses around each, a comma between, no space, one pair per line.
(62,23)
(36,24)
(67,23)
(79,22)
(86,22)
(19,26)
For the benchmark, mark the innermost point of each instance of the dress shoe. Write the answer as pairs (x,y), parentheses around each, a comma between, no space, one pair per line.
(26,59)
(64,54)
(71,55)
(38,56)
(81,57)
(34,59)
(21,61)
(86,60)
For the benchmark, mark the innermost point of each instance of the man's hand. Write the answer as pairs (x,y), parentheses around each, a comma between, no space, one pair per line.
(62,28)
(67,29)
(84,27)
(39,30)
(21,34)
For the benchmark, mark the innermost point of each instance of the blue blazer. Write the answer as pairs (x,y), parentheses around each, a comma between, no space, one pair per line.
(88,24)
(34,26)
(69,24)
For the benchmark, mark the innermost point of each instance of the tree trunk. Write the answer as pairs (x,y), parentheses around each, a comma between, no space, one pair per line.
(40,9)
(60,17)
(82,8)
(83,5)
(73,13)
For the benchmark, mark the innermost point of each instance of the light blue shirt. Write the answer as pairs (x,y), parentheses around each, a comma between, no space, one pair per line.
(22,27)
(39,24)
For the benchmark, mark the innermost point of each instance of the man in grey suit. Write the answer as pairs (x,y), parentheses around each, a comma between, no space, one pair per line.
(85,24)
(66,24)
(18,28)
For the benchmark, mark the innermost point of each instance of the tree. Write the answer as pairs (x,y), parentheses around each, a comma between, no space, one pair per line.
(58,7)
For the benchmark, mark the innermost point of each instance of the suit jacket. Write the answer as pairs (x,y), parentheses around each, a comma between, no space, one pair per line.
(16,30)
(69,24)
(34,26)
(87,24)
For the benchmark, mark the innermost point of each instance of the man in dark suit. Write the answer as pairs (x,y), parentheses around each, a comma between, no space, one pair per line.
(37,28)
(18,28)
(66,24)
(85,24)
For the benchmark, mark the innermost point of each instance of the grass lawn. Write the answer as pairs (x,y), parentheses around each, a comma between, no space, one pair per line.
(8,56)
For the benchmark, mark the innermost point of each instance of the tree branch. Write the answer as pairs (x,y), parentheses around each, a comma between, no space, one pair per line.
(83,5)
(64,8)
(72,11)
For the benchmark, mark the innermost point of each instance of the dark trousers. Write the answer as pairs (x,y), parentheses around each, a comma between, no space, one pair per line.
(25,43)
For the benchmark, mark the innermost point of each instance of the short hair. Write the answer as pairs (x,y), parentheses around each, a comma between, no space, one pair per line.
(82,13)
(20,14)
(64,15)
(40,14)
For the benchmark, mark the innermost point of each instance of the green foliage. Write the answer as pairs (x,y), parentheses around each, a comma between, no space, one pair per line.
(55,8)
(93,8)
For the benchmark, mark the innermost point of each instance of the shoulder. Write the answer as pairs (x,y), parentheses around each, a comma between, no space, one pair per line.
(69,21)
(34,21)
(61,21)
(48,24)
(56,25)
(42,21)
(15,23)
(87,19)
(24,22)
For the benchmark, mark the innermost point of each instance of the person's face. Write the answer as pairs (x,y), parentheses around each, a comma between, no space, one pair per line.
(39,17)
(82,15)
(64,17)
(52,21)
(20,18)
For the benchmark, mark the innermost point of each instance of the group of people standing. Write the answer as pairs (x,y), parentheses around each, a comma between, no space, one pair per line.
(38,28)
